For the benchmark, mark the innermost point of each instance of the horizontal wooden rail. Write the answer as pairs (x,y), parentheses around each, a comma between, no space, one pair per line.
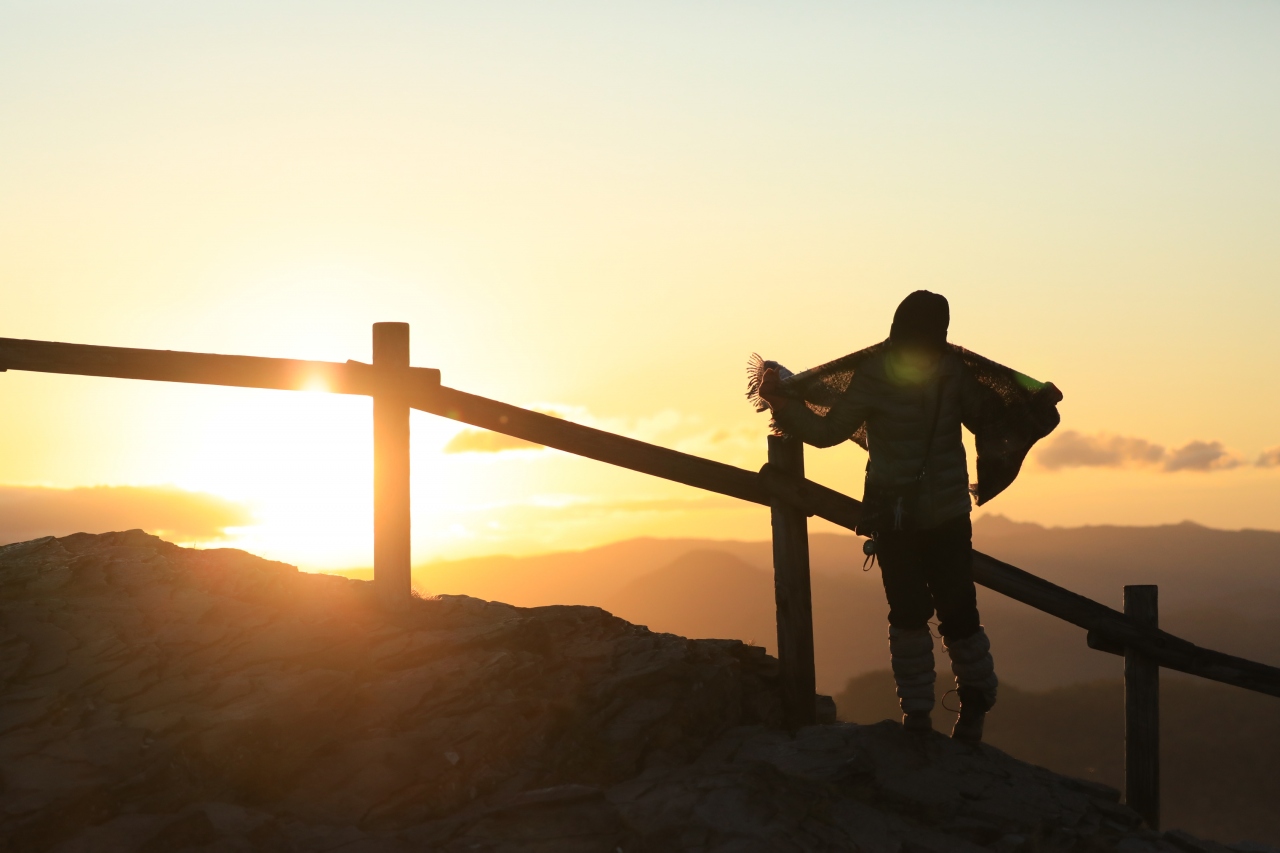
(1109,629)
(1105,624)
(816,499)
(592,443)
(1118,631)
(242,371)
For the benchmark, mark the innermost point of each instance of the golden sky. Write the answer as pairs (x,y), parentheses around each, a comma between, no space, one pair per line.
(602,210)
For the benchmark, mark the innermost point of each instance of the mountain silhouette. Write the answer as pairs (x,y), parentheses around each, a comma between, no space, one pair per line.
(701,594)
(1220,589)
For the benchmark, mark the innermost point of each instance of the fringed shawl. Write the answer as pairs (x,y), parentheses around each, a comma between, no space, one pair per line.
(1016,412)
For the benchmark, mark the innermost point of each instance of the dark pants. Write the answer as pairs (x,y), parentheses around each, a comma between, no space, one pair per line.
(931,570)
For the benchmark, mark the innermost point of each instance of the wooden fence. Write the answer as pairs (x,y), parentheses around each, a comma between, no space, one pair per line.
(780,485)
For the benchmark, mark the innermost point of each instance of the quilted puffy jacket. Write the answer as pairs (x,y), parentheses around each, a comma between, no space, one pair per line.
(898,410)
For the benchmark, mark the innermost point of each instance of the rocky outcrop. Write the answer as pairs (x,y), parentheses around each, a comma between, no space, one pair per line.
(157,698)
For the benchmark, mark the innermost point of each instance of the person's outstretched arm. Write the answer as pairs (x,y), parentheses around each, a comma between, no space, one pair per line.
(795,418)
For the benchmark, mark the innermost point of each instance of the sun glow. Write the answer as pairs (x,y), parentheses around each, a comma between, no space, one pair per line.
(610,210)
(302,462)
(315,383)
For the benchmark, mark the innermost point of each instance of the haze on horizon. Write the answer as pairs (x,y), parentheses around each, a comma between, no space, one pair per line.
(602,211)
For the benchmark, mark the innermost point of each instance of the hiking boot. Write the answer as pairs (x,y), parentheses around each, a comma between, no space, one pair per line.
(917,721)
(976,683)
(968,727)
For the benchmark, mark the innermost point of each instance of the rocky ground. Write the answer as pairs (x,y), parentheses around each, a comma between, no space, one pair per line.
(156,698)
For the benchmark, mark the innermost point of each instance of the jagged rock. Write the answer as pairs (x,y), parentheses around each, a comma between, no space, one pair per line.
(157,698)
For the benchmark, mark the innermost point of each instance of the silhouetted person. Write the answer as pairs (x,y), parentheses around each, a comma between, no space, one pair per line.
(905,401)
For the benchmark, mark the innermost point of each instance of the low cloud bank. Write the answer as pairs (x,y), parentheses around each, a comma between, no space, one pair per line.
(484,441)
(1270,458)
(1071,449)
(29,512)
(1201,456)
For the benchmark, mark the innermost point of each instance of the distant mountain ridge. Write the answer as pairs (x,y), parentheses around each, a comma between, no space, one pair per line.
(718,592)
(1217,588)
(1188,560)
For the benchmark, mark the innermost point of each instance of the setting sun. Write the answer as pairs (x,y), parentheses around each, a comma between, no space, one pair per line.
(567,226)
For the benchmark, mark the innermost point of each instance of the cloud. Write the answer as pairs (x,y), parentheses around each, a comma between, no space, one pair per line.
(1071,449)
(484,441)
(29,512)
(1270,458)
(1201,456)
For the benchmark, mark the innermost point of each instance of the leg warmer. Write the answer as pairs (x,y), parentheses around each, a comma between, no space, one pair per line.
(911,653)
(974,669)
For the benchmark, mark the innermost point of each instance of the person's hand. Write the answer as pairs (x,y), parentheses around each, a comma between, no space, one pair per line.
(771,388)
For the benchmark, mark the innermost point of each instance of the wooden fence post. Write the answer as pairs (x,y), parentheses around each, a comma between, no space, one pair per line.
(1142,712)
(791,592)
(391,527)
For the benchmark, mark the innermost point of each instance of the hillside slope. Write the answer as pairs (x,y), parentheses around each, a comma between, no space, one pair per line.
(1219,745)
(156,699)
